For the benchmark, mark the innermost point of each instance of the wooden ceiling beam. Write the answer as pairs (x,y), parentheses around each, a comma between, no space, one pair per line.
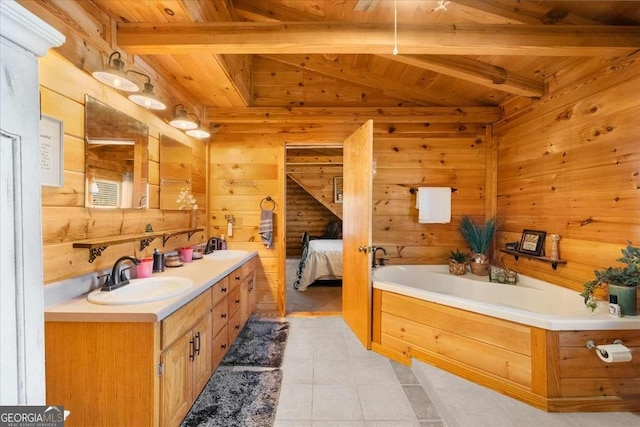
(532,13)
(362,77)
(377,38)
(473,71)
(424,115)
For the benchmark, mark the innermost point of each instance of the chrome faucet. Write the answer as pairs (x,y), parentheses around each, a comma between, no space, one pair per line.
(375,251)
(212,245)
(118,278)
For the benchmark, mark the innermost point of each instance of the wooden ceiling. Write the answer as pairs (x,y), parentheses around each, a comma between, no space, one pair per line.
(338,53)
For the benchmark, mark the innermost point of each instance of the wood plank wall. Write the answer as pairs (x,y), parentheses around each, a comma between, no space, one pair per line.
(64,217)
(570,164)
(304,213)
(408,155)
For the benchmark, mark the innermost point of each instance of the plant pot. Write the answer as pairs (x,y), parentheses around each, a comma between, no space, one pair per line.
(456,268)
(479,268)
(627,299)
(479,264)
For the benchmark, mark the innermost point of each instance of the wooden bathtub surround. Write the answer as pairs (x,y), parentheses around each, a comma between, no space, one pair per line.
(551,370)
(146,373)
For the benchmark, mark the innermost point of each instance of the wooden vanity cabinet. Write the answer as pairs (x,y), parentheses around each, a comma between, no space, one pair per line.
(186,359)
(145,373)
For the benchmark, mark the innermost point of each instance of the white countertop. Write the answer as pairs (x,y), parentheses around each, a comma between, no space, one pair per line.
(204,273)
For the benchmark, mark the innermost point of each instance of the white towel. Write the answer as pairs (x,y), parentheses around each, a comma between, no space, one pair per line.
(266,227)
(434,205)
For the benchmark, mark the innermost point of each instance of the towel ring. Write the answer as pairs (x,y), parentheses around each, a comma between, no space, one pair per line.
(268,199)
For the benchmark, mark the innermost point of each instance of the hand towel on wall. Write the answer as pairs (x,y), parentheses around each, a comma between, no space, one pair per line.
(266,227)
(434,205)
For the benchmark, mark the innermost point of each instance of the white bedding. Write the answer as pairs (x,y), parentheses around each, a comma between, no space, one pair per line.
(323,260)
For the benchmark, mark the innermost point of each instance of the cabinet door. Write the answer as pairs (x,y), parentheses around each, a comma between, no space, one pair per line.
(202,362)
(176,381)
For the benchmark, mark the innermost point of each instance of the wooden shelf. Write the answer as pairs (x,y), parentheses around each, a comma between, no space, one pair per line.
(98,245)
(554,262)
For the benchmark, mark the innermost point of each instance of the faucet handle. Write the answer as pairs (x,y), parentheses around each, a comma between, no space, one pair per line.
(107,276)
(123,277)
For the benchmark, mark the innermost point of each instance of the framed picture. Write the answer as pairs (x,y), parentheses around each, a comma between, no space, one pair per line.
(51,152)
(337,189)
(532,242)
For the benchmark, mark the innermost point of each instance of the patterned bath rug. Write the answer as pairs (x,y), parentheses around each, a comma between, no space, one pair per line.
(260,343)
(234,398)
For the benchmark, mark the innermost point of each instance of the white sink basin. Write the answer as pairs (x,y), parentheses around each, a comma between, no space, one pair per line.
(226,254)
(139,291)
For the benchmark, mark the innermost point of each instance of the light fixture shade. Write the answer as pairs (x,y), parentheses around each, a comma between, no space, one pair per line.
(199,132)
(114,75)
(182,121)
(147,99)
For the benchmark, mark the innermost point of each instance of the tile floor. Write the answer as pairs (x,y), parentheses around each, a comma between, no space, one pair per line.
(331,380)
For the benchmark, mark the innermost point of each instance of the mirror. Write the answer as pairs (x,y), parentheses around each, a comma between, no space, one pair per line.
(175,171)
(116,158)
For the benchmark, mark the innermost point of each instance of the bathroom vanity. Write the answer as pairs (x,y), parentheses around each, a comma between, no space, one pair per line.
(145,364)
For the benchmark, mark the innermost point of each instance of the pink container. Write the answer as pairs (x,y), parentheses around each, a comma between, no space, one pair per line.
(187,254)
(145,268)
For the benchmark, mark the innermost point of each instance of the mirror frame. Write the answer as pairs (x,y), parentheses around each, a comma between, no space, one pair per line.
(107,124)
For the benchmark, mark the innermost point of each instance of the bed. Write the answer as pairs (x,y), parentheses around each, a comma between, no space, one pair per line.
(321,260)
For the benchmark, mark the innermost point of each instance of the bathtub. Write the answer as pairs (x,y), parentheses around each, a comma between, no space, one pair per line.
(527,341)
(530,302)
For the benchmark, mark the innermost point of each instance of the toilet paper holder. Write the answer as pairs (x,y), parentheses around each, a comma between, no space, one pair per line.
(591,345)
(611,353)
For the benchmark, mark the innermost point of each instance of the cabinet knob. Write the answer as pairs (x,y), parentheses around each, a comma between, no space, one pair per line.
(191,350)
(223,290)
(223,346)
(237,327)
(237,277)
(223,316)
(237,301)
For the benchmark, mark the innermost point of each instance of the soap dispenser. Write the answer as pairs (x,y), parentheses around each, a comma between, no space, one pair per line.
(223,243)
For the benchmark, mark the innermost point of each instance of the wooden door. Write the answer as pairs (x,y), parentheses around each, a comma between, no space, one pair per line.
(357,216)
(202,362)
(176,382)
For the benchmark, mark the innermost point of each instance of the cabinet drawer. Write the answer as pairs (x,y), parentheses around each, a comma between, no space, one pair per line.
(220,346)
(182,320)
(220,290)
(236,277)
(235,326)
(234,300)
(220,315)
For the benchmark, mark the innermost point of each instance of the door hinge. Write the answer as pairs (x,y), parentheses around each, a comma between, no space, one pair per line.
(160,369)
(366,249)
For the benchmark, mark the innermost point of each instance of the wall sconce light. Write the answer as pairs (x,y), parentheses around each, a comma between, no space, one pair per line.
(181,119)
(114,75)
(200,132)
(146,98)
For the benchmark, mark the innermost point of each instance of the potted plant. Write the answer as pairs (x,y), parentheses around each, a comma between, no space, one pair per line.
(458,262)
(479,238)
(621,281)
